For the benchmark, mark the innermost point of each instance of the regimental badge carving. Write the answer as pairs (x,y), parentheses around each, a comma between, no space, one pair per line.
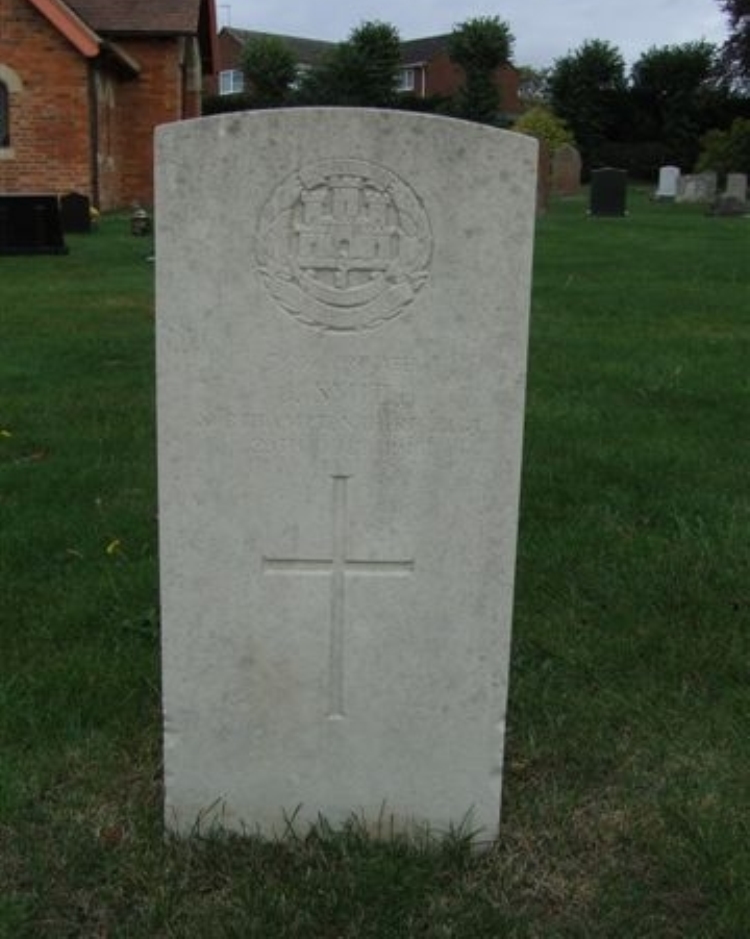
(344,245)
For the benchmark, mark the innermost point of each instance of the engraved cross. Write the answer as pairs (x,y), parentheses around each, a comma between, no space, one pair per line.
(337,567)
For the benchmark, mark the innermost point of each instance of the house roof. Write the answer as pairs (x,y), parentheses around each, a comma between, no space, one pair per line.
(166,17)
(417,51)
(306,51)
(89,24)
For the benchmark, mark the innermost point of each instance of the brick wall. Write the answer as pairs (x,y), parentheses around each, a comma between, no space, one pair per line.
(157,96)
(52,132)
(49,117)
(445,78)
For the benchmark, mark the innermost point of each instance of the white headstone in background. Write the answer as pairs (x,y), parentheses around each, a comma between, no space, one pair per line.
(669,181)
(342,319)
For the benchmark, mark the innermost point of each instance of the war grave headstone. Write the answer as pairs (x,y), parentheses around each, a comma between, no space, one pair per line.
(608,195)
(668,185)
(566,171)
(75,213)
(30,224)
(342,302)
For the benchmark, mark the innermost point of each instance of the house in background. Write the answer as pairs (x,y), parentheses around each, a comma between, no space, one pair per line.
(231,81)
(83,84)
(426,68)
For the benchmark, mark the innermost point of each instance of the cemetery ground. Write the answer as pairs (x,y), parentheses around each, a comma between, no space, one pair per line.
(626,803)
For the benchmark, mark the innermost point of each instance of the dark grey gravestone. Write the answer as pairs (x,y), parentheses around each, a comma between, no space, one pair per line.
(608,192)
(75,211)
(30,224)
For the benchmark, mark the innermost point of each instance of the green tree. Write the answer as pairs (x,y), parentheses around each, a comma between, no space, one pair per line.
(270,70)
(671,87)
(541,123)
(361,72)
(736,51)
(588,90)
(726,151)
(480,46)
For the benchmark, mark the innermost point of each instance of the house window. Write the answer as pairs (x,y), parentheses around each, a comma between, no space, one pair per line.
(4,115)
(406,79)
(231,81)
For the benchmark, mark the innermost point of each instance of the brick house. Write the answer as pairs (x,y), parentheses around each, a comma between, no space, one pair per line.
(83,83)
(230,80)
(426,68)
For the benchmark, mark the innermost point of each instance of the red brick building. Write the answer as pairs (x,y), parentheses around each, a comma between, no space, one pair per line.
(426,68)
(83,83)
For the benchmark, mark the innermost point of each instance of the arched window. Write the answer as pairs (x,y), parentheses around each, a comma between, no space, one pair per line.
(4,115)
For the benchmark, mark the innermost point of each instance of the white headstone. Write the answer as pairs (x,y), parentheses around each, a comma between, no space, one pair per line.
(342,322)
(669,181)
(736,187)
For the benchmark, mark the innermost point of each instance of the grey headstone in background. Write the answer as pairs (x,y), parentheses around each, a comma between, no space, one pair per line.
(697,187)
(342,320)
(608,194)
(669,181)
(736,187)
(566,171)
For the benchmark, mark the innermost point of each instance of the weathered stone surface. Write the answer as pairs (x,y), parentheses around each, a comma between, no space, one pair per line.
(669,182)
(342,322)
(566,171)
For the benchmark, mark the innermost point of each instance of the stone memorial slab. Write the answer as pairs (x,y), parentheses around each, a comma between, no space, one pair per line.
(669,181)
(608,196)
(342,305)
(566,171)
(697,187)
(30,224)
(736,187)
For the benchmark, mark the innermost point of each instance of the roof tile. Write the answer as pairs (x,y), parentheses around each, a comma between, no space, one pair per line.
(139,16)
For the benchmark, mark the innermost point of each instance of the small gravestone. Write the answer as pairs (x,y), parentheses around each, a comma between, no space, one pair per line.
(342,303)
(566,171)
(669,181)
(30,224)
(736,187)
(697,188)
(75,212)
(608,195)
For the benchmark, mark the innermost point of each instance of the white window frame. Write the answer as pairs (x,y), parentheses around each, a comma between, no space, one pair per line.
(407,79)
(231,81)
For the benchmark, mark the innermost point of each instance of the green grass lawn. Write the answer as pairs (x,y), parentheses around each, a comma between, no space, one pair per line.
(627,785)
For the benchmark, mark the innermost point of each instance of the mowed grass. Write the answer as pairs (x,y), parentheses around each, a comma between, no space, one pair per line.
(626,807)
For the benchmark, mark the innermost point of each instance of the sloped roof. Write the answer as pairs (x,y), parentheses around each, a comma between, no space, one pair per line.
(166,17)
(306,51)
(416,51)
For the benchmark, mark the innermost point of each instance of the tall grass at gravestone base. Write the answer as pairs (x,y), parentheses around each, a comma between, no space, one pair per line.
(626,797)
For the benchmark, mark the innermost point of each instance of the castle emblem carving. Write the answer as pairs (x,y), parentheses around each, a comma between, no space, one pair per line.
(344,245)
